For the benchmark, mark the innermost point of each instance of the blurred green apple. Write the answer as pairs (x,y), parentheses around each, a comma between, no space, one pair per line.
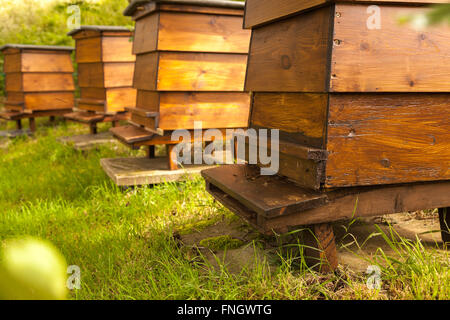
(32,269)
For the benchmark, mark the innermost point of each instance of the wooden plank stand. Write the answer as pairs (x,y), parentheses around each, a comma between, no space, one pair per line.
(360,103)
(275,204)
(39,82)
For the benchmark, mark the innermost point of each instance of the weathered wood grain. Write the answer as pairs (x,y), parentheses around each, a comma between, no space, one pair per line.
(49,101)
(38,82)
(292,55)
(260,12)
(146,34)
(202,33)
(389,138)
(214,110)
(46,62)
(301,116)
(117,99)
(117,49)
(394,58)
(146,71)
(201,72)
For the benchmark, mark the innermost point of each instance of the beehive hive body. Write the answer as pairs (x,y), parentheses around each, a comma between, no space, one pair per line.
(348,79)
(105,68)
(190,65)
(38,78)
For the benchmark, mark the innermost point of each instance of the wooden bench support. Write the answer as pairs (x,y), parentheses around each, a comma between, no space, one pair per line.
(151,152)
(18,116)
(444,220)
(92,119)
(32,124)
(275,204)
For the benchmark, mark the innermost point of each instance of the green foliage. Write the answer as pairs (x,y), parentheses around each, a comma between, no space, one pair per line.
(45,22)
(440,14)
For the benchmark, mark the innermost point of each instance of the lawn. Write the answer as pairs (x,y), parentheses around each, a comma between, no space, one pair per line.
(148,243)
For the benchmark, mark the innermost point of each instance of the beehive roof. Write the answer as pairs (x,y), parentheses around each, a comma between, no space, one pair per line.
(99,29)
(36,47)
(211,3)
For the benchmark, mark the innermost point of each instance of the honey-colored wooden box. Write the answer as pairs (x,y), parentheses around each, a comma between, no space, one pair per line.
(38,78)
(105,68)
(191,59)
(359,98)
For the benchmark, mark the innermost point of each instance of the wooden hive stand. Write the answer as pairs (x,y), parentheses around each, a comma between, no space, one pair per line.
(362,109)
(39,82)
(105,75)
(191,58)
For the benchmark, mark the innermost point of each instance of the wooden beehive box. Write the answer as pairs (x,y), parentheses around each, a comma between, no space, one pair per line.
(105,68)
(38,78)
(191,59)
(359,98)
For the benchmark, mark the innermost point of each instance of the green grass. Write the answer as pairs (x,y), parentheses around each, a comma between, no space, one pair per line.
(123,241)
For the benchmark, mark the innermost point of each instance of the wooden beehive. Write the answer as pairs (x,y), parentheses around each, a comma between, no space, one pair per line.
(38,78)
(359,98)
(191,58)
(105,68)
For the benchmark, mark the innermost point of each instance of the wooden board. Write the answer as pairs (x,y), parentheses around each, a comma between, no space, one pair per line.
(91,75)
(201,72)
(43,82)
(148,100)
(259,12)
(301,117)
(246,195)
(394,58)
(388,138)
(175,71)
(118,74)
(145,171)
(117,49)
(292,55)
(215,110)
(146,34)
(202,33)
(120,98)
(89,50)
(49,101)
(13,82)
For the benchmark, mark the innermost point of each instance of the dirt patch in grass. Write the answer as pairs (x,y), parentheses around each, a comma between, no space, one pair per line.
(357,241)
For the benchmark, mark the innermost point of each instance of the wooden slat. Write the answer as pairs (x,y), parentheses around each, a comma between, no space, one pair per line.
(394,58)
(201,72)
(301,116)
(89,50)
(42,82)
(117,49)
(148,100)
(119,98)
(388,138)
(91,75)
(12,63)
(292,54)
(13,82)
(146,68)
(214,110)
(46,62)
(118,74)
(130,134)
(258,12)
(202,33)
(49,101)
(269,196)
(146,34)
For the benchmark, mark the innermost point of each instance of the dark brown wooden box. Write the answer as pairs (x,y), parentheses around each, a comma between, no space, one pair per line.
(105,68)
(38,78)
(356,103)
(190,65)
